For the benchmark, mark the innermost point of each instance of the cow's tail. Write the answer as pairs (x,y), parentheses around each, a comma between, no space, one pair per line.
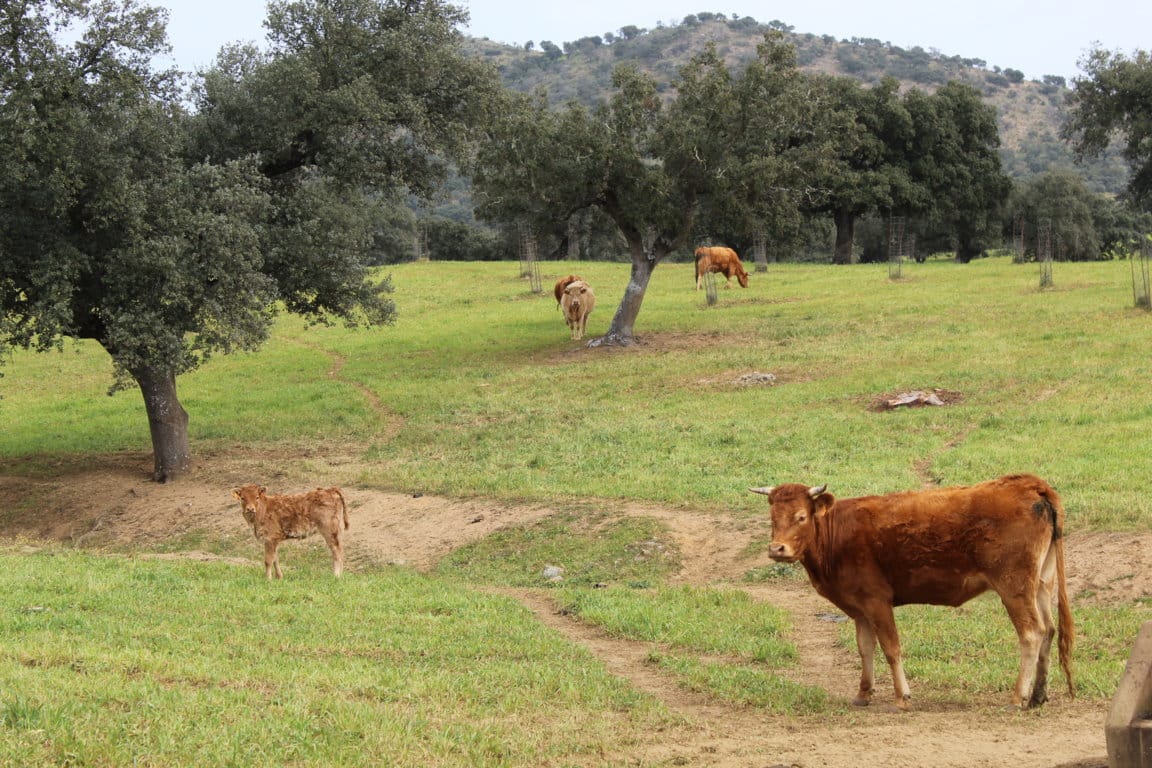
(1067,630)
(696,272)
(343,507)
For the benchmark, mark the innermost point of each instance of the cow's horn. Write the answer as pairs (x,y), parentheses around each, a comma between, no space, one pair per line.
(816,490)
(766,490)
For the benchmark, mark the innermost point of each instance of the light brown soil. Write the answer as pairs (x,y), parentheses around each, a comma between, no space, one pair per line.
(110,502)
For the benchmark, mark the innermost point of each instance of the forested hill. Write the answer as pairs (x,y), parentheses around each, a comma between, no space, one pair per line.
(1030,112)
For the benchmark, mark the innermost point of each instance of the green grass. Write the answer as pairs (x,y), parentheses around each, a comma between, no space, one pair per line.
(591,549)
(709,621)
(112,661)
(480,376)
(747,685)
(478,391)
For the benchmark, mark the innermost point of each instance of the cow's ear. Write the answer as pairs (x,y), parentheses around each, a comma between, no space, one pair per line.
(263,489)
(236,493)
(822,503)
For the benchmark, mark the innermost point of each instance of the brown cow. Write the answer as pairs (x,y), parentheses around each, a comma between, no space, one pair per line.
(294,516)
(941,546)
(563,283)
(719,259)
(578,302)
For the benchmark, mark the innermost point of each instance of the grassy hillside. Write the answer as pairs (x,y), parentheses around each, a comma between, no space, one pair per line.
(478,389)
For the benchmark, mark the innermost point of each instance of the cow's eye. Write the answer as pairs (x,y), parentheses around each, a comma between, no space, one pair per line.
(801,518)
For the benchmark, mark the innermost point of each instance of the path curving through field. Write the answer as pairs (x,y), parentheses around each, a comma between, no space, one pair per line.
(110,501)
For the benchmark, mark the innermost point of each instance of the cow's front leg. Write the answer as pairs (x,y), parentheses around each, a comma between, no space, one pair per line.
(271,562)
(884,625)
(866,645)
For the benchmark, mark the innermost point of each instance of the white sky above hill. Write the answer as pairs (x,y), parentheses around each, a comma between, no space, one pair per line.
(1036,38)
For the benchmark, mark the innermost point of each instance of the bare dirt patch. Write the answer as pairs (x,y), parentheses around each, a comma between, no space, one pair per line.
(110,502)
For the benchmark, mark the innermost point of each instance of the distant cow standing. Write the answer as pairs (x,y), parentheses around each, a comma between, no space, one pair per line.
(563,283)
(942,546)
(722,260)
(295,516)
(578,302)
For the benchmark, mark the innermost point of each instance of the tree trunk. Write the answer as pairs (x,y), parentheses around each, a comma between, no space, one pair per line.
(167,421)
(966,246)
(845,226)
(620,331)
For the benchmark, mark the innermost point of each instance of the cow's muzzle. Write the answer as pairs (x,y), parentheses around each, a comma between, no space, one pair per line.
(781,553)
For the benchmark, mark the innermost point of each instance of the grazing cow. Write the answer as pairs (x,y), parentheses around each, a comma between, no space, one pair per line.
(578,302)
(563,283)
(941,546)
(294,516)
(719,259)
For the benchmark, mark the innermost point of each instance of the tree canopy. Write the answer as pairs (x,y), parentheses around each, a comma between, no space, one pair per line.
(1114,100)
(954,159)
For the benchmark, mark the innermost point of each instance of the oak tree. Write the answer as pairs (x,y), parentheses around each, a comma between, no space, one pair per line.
(1113,101)
(167,235)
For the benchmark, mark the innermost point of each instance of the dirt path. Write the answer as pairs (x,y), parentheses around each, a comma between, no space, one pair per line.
(110,502)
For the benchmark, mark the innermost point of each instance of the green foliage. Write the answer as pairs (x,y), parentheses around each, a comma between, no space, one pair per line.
(456,241)
(1060,200)
(1115,99)
(738,151)
(955,161)
(106,233)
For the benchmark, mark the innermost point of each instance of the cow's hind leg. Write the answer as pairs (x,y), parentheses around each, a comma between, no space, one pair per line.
(1032,631)
(336,546)
(1044,594)
(866,645)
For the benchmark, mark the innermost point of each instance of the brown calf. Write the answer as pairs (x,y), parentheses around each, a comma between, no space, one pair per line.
(942,546)
(294,516)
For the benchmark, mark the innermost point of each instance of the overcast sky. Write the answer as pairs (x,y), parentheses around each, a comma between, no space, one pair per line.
(1047,38)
